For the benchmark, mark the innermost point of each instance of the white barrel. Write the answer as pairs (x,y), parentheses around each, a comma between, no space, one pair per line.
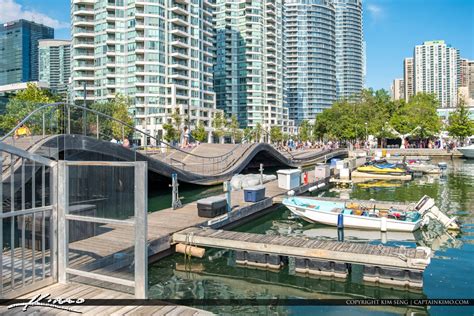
(383,224)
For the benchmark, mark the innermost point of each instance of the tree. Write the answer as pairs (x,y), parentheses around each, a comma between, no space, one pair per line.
(233,126)
(258,132)
(218,123)
(248,134)
(460,125)
(22,104)
(199,133)
(276,134)
(304,131)
(171,133)
(118,109)
(418,116)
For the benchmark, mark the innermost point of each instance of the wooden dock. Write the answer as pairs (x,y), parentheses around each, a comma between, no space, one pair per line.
(398,266)
(349,252)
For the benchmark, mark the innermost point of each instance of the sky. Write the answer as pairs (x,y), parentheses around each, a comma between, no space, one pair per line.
(392,28)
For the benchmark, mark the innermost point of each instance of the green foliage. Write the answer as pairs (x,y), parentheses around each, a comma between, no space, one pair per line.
(258,132)
(374,113)
(276,134)
(418,117)
(171,133)
(248,134)
(22,104)
(304,131)
(199,133)
(218,122)
(177,119)
(118,109)
(460,125)
(233,127)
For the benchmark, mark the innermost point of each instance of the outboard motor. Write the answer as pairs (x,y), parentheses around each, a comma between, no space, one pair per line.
(426,208)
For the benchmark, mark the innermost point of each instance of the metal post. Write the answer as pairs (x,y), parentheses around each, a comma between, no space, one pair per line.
(261,174)
(84,114)
(97,122)
(175,201)
(68,119)
(229,196)
(44,126)
(141,234)
(63,231)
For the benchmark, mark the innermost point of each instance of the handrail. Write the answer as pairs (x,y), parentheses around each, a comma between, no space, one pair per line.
(58,104)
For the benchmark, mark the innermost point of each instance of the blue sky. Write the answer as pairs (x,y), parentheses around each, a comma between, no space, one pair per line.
(391,28)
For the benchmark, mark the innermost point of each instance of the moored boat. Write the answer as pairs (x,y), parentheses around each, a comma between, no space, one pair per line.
(370,215)
(467,151)
(383,167)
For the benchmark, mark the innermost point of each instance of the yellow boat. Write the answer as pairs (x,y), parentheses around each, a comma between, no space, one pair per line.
(378,184)
(382,169)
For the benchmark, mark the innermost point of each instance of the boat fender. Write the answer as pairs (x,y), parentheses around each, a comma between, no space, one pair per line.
(291,193)
(313,188)
(321,185)
(383,224)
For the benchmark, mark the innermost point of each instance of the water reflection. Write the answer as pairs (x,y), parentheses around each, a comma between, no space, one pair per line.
(448,276)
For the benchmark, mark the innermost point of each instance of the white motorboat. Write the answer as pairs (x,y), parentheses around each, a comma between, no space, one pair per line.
(467,151)
(370,215)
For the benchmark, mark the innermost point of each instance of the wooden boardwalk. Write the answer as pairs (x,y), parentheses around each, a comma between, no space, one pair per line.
(75,291)
(357,253)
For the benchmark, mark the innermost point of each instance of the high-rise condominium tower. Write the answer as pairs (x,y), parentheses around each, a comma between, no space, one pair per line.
(349,47)
(55,64)
(248,75)
(310,78)
(159,53)
(408,79)
(19,50)
(436,69)
(397,89)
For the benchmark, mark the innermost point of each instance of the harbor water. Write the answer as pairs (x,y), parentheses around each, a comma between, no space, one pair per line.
(449,275)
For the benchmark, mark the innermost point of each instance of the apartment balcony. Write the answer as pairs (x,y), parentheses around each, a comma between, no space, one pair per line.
(180,42)
(82,21)
(179,30)
(179,53)
(84,12)
(179,74)
(179,8)
(185,2)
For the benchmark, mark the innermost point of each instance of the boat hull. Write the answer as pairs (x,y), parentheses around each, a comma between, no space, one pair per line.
(353,221)
(467,152)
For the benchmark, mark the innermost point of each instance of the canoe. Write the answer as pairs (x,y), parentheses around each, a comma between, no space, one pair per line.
(354,215)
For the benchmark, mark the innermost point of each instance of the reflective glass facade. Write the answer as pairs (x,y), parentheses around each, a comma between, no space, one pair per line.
(349,47)
(310,78)
(19,50)
(55,64)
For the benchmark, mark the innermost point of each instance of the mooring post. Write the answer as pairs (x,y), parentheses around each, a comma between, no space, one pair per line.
(261,174)
(175,202)
(228,196)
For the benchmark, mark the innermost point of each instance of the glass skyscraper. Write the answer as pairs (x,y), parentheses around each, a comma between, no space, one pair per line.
(248,73)
(349,47)
(19,50)
(55,64)
(310,78)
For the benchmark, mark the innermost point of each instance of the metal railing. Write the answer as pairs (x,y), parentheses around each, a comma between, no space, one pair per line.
(27,221)
(61,118)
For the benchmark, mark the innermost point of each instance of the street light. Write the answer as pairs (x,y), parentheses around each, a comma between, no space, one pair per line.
(366,133)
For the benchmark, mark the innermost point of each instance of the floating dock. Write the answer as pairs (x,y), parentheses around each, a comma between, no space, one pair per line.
(398,266)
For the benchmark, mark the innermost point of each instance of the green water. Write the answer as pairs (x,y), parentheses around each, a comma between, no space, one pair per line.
(450,274)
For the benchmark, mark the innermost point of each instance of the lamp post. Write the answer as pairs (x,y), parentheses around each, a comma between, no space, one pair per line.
(366,133)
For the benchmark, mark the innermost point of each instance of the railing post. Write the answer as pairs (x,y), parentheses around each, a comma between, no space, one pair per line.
(97,122)
(63,231)
(229,196)
(261,174)
(44,126)
(68,119)
(141,234)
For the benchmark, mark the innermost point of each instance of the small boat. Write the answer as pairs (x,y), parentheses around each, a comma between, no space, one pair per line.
(370,215)
(355,215)
(383,167)
(467,151)
(379,184)
(423,168)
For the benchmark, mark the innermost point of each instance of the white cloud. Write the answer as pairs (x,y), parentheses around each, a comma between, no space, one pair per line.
(10,11)
(375,10)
